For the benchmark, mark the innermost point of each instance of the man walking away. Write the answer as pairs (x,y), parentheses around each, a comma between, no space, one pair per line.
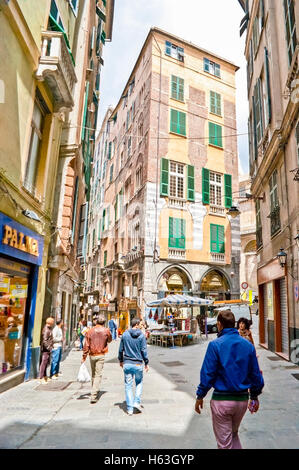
(132,353)
(96,345)
(46,349)
(230,366)
(57,350)
(113,328)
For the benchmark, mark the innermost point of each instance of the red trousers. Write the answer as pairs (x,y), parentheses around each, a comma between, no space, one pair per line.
(227,417)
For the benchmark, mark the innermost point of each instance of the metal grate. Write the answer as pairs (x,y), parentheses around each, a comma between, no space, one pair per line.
(173,363)
(296,376)
(53,386)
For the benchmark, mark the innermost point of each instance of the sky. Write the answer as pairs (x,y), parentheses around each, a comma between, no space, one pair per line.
(212,25)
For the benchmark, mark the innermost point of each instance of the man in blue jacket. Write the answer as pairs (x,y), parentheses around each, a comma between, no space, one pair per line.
(230,366)
(132,353)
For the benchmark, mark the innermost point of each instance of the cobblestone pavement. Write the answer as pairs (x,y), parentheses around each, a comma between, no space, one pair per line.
(34,416)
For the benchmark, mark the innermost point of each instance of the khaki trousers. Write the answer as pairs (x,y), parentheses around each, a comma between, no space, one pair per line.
(96,364)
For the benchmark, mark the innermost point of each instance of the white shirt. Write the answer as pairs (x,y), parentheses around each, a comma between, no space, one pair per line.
(57,337)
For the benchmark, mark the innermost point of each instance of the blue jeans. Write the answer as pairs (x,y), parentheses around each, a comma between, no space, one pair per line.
(56,358)
(81,341)
(113,333)
(131,371)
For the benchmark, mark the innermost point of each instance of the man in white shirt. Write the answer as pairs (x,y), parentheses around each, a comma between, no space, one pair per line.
(57,350)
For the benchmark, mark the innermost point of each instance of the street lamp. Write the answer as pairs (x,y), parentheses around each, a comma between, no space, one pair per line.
(233,212)
(282,257)
(297,240)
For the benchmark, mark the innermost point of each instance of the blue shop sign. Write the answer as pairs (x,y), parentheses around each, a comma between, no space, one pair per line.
(18,241)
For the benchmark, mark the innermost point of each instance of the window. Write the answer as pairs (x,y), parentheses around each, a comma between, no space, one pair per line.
(129,146)
(37,126)
(258,25)
(75,210)
(54,13)
(274,204)
(105,258)
(259,231)
(211,67)
(140,132)
(174,51)
(215,189)
(176,174)
(290,22)
(74,5)
(215,103)
(250,65)
(111,174)
(177,88)
(138,178)
(215,135)
(217,238)
(258,110)
(109,150)
(177,122)
(135,236)
(177,233)
(82,230)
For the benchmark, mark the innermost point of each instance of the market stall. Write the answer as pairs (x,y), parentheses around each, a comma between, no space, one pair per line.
(173,321)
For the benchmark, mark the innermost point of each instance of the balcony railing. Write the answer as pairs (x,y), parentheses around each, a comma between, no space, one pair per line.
(177,203)
(176,254)
(275,220)
(57,69)
(217,210)
(218,258)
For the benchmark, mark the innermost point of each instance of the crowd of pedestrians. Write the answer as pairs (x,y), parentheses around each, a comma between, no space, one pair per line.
(230,367)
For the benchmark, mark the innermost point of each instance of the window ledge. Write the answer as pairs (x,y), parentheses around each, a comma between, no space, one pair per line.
(216,146)
(176,99)
(215,114)
(180,135)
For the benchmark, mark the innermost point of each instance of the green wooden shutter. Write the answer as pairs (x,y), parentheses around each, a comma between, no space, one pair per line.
(205,186)
(215,135)
(164,178)
(228,191)
(174,87)
(181,233)
(75,210)
(254,129)
(182,123)
(190,183)
(212,102)
(214,238)
(109,150)
(218,103)
(211,133)
(171,238)
(103,220)
(268,86)
(181,89)
(221,244)
(85,110)
(173,120)
(105,258)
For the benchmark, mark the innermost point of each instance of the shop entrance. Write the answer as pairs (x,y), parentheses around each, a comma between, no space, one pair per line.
(174,281)
(215,285)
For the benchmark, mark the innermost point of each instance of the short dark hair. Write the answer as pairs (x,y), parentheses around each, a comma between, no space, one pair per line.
(59,321)
(101,320)
(244,320)
(135,322)
(226,318)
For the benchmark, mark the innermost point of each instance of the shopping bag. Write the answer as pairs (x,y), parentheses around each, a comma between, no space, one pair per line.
(83,374)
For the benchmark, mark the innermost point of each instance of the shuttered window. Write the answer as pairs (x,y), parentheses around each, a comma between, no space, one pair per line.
(177,122)
(177,233)
(191,184)
(205,186)
(174,51)
(215,103)
(75,211)
(258,110)
(215,135)
(105,258)
(228,191)
(211,67)
(268,87)
(164,177)
(290,22)
(217,238)
(177,88)
(85,110)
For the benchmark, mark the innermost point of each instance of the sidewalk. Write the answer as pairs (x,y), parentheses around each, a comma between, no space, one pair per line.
(34,416)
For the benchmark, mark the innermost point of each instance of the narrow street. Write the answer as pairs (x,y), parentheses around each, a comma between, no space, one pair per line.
(37,416)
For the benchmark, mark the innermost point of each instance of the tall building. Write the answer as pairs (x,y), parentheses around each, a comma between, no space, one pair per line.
(272,55)
(248,240)
(167,172)
(72,192)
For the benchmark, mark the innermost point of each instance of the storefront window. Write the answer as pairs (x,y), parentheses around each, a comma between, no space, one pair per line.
(13,299)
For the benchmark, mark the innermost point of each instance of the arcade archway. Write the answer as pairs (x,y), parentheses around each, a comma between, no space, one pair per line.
(214,284)
(174,281)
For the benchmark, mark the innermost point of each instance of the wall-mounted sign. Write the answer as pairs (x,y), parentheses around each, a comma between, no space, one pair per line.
(19,242)
(244,285)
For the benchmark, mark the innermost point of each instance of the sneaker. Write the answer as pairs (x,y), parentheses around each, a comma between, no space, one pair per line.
(59,374)
(138,407)
(130,413)
(54,377)
(42,381)
(93,400)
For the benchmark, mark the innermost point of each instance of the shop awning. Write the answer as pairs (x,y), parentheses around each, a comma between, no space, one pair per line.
(179,300)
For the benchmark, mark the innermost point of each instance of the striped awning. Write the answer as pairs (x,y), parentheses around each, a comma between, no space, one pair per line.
(179,300)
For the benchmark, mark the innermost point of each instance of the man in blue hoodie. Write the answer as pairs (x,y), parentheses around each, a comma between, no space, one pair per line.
(230,366)
(132,353)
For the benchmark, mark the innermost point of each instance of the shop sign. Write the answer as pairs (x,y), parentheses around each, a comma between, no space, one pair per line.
(18,241)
